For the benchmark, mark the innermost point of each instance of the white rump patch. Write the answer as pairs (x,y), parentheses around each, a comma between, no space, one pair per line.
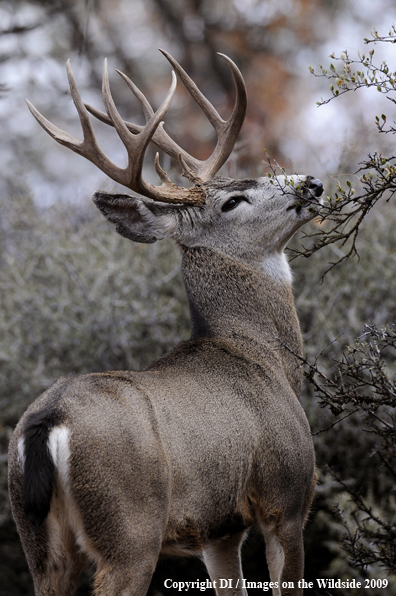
(21,451)
(64,515)
(58,445)
(275,556)
(278,268)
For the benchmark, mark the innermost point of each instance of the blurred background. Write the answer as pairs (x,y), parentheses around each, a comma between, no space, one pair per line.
(77,298)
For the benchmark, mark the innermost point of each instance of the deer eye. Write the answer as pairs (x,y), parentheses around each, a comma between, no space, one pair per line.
(232,203)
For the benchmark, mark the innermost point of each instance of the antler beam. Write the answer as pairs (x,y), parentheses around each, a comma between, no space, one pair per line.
(136,138)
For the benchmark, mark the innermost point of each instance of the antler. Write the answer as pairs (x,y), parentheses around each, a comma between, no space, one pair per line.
(227,131)
(136,138)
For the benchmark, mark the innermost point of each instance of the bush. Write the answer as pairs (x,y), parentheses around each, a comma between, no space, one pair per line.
(76,297)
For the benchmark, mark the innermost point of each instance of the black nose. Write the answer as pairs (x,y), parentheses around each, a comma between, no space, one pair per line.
(315,186)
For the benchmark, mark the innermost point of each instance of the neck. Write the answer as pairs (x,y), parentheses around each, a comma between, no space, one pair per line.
(248,308)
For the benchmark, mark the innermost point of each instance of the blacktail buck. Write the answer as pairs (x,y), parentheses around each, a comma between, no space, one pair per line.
(183,458)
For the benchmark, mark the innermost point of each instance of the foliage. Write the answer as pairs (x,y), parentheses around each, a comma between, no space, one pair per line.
(346,78)
(77,298)
(38,37)
(345,211)
(359,386)
(362,385)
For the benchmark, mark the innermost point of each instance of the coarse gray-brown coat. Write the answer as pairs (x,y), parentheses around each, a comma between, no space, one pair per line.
(211,439)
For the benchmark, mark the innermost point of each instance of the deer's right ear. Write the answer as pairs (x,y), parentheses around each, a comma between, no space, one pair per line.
(134,219)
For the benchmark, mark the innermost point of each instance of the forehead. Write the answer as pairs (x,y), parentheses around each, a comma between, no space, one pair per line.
(220,187)
(242,185)
(229,185)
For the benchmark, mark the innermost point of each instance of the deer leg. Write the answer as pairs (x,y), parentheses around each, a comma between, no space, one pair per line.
(55,560)
(275,556)
(223,562)
(58,581)
(126,579)
(285,556)
(56,576)
(293,571)
(127,568)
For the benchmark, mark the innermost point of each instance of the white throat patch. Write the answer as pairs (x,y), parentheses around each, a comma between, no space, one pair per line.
(278,268)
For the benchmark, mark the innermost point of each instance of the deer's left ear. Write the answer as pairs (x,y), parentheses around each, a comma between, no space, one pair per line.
(140,220)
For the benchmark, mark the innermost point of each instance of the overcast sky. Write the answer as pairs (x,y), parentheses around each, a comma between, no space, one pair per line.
(312,138)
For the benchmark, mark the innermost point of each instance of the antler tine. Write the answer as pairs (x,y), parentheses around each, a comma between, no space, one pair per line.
(89,147)
(239,111)
(160,137)
(207,108)
(103,117)
(147,109)
(56,133)
(135,144)
(227,130)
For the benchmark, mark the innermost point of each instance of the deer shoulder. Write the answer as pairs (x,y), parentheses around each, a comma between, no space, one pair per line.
(210,440)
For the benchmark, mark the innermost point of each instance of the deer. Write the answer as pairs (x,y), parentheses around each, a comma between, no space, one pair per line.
(116,469)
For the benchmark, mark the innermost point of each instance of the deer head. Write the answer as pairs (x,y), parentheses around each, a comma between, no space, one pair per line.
(184,457)
(249,219)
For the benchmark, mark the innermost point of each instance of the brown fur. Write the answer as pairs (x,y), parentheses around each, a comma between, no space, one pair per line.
(186,456)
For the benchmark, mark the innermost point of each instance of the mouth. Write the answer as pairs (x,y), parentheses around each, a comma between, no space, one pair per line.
(310,197)
(313,187)
(312,204)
